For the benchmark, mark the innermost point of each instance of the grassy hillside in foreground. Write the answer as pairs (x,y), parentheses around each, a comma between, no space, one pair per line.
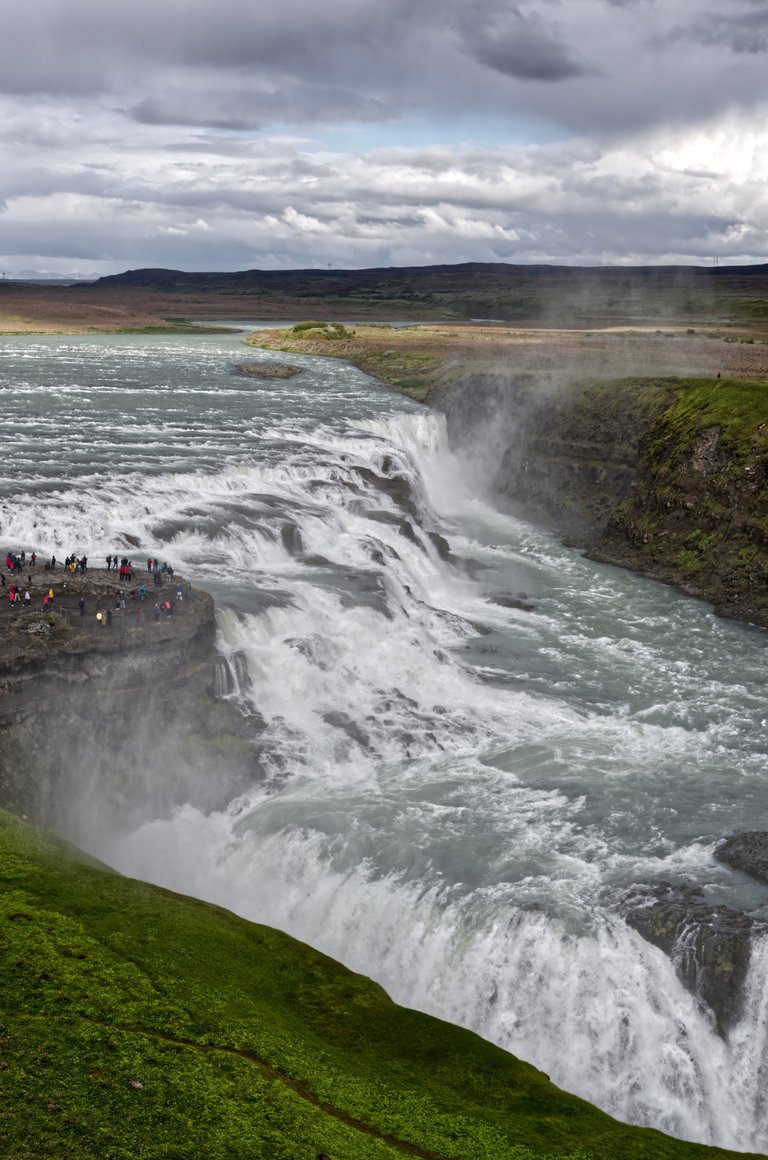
(134,1021)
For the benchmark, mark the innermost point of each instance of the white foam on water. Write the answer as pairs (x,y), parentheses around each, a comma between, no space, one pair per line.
(601,1012)
(456,791)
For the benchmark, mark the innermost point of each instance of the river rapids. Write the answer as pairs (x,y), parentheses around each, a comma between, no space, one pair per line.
(469,755)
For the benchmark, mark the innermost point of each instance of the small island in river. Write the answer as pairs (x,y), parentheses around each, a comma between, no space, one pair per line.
(265,370)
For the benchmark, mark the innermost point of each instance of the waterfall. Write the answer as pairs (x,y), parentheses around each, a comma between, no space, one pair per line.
(473,740)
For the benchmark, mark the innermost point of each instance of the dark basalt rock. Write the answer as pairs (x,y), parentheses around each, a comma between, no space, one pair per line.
(291,539)
(397,487)
(480,628)
(709,945)
(440,544)
(343,721)
(747,852)
(510,600)
(383,517)
(110,726)
(315,561)
(265,370)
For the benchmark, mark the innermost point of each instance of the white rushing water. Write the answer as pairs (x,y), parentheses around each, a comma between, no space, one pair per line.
(457,791)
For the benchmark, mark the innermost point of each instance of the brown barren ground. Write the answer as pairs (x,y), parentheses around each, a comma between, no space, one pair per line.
(410,358)
(45,309)
(419,358)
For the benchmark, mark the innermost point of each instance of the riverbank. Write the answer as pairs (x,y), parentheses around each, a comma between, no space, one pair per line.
(424,361)
(27,308)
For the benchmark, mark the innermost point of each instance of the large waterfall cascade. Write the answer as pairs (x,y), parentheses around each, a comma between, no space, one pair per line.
(469,757)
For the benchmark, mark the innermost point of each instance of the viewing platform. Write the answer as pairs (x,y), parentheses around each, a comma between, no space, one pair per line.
(95,610)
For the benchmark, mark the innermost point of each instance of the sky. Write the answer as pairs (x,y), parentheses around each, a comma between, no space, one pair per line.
(240,134)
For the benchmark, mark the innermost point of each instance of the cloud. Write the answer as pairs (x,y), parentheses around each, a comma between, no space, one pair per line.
(245,107)
(589,65)
(177,109)
(176,197)
(280,128)
(744,32)
(518,44)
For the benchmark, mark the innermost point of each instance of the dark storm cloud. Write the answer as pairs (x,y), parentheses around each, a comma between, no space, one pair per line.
(65,48)
(248,107)
(209,133)
(586,65)
(517,44)
(172,109)
(742,32)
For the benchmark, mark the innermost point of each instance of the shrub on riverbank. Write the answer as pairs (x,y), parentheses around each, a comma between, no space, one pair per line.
(331,330)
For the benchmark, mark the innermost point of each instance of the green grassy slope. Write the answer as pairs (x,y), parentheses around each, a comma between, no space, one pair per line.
(134,1022)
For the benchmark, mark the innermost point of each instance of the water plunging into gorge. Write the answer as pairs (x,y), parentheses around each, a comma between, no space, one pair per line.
(468,758)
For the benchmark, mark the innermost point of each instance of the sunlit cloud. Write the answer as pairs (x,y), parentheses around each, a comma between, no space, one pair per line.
(121,135)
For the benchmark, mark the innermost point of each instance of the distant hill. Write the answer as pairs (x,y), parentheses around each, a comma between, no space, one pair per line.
(394,280)
(492,290)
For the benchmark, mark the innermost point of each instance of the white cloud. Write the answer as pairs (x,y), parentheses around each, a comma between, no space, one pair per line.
(148,149)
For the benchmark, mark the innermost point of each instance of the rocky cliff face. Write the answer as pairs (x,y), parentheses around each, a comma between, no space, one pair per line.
(107,726)
(709,945)
(664,476)
(563,454)
(697,514)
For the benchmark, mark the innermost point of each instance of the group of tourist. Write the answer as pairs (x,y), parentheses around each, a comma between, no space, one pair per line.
(78,566)
(16,562)
(73,565)
(15,598)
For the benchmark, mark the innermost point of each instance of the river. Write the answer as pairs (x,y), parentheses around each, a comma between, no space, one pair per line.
(458,791)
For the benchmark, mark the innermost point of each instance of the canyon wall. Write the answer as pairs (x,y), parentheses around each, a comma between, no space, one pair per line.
(109,726)
(664,476)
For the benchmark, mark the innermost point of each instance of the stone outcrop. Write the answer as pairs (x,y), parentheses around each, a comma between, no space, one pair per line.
(709,945)
(265,370)
(112,725)
(747,852)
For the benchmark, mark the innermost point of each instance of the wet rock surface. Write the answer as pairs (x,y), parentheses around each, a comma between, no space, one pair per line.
(121,719)
(747,852)
(342,721)
(709,945)
(291,538)
(519,600)
(265,370)
(396,487)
